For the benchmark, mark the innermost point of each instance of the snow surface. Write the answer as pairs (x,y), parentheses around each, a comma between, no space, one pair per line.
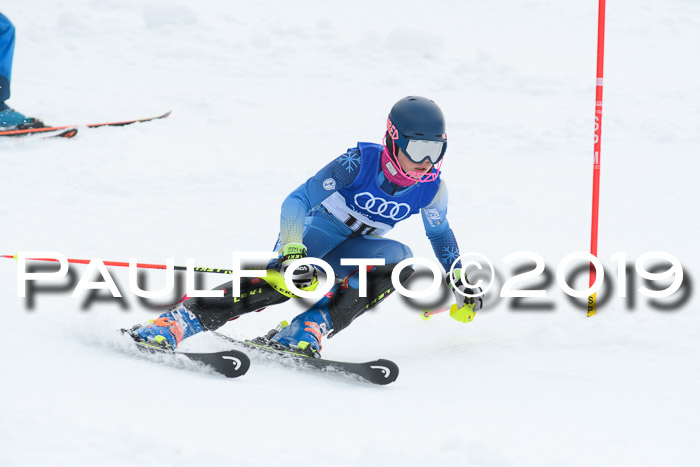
(265,93)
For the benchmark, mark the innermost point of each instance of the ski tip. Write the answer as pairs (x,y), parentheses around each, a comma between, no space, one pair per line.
(166,114)
(234,363)
(383,371)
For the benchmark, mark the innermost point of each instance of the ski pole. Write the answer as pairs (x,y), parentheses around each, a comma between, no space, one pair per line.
(596,152)
(126,265)
(274,278)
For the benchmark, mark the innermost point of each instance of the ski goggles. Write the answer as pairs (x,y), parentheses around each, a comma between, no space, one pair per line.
(419,150)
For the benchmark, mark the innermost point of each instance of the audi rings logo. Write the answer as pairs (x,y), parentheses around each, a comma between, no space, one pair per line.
(381,207)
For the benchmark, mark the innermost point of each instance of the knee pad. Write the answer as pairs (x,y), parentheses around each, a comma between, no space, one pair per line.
(393,253)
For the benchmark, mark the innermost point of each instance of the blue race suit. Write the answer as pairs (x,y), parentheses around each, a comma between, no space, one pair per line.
(7,49)
(342,212)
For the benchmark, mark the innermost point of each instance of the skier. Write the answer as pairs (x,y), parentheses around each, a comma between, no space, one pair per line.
(342,212)
(9,118)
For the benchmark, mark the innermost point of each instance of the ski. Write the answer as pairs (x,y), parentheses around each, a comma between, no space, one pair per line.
(31,131)
(379,371)
(230,363)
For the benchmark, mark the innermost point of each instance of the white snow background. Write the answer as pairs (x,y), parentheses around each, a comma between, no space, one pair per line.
(264,94)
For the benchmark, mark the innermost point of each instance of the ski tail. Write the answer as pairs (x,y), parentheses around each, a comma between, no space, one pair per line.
(69,133)
(34,131)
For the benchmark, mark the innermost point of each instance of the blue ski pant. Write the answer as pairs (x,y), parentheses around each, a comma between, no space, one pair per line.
(7,50)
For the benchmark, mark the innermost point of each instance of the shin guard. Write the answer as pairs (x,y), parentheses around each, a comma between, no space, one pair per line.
(346,304)
(256,293)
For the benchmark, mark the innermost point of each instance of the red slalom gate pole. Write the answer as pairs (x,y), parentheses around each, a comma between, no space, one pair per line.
(596,151)
(126,265)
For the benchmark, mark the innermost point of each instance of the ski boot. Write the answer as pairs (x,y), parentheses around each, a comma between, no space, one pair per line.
(10,119)
(305,332)
(169,329)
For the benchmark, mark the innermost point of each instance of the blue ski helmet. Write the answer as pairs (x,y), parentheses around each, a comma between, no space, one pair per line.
(417,126)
